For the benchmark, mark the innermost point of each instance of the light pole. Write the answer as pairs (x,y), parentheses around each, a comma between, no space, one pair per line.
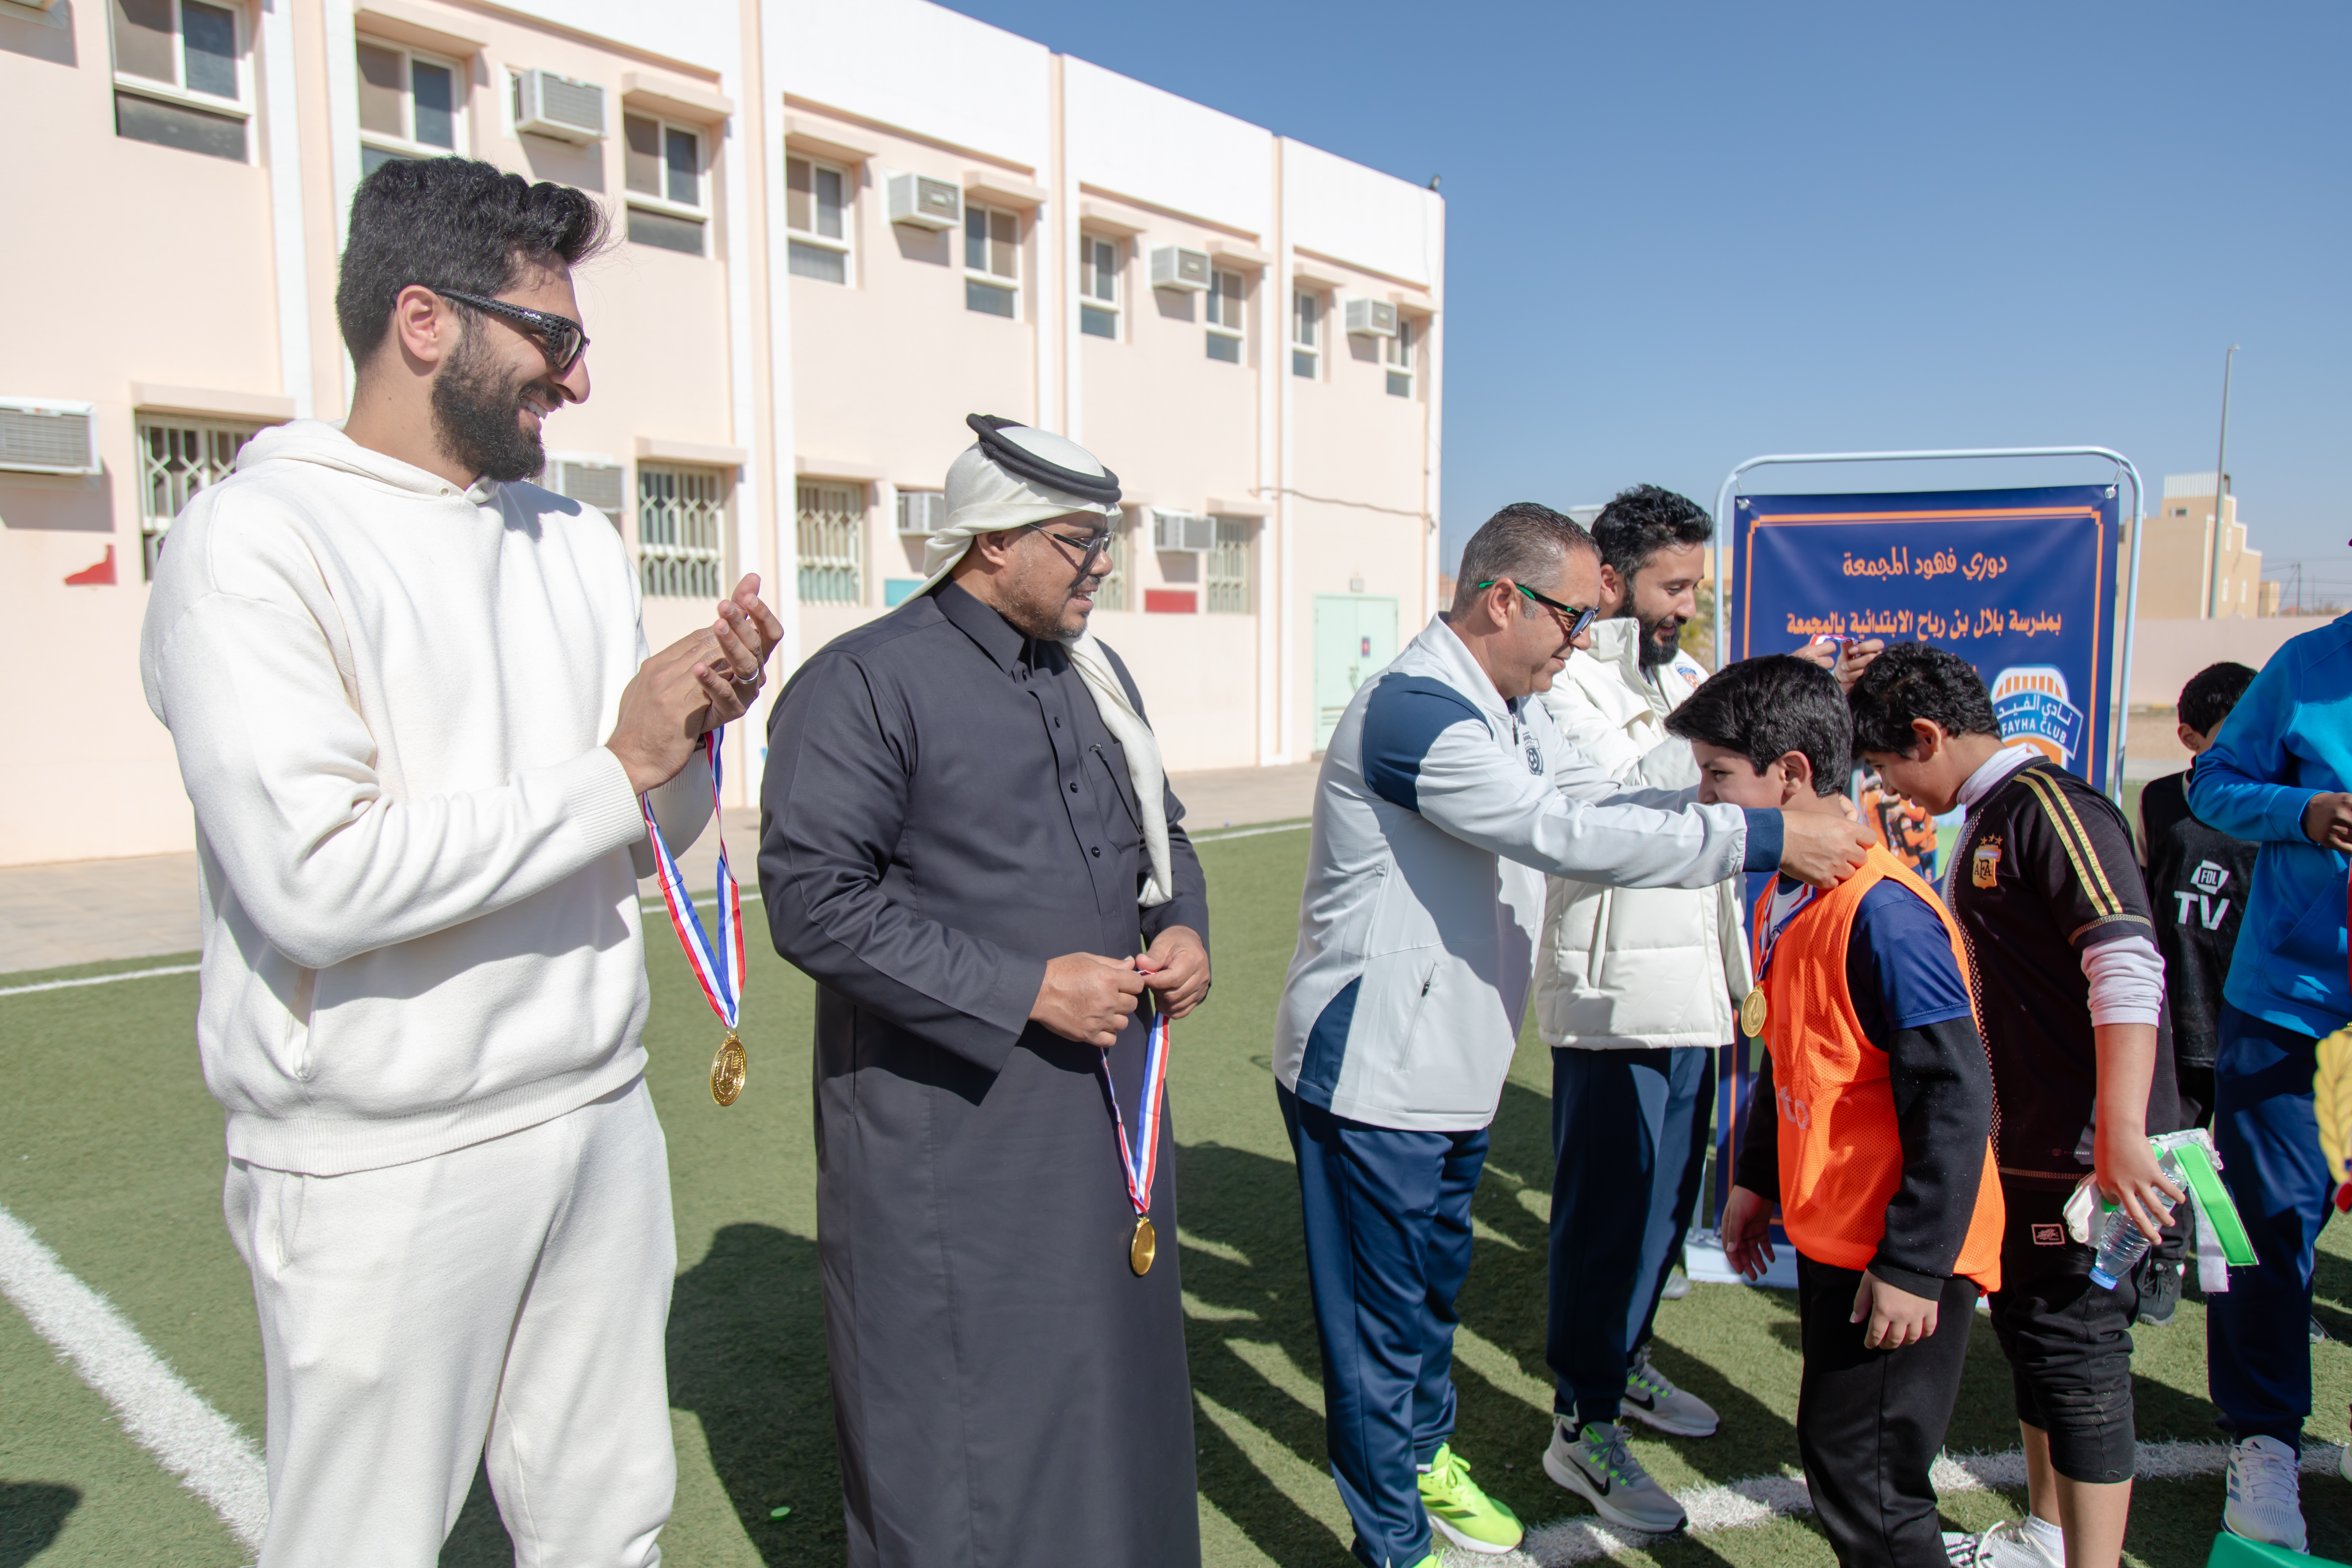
(2221,488)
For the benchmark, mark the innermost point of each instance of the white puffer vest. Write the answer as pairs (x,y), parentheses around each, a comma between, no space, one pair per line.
(1634,968)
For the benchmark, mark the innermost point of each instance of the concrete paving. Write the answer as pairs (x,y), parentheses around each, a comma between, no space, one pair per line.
(87,912)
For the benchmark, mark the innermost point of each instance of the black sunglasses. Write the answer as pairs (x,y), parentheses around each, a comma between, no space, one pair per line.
(561,338)
(1098,545)
(1574,619)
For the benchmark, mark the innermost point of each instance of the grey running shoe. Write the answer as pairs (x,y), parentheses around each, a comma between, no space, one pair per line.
(2003,1546)
(1677,1285)
(1593,1461)
(2264,1502)
(1652,1397)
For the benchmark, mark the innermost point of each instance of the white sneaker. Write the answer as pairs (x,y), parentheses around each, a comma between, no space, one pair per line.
(1593,1462)
(2009,1545)
(2005,1546)
(1650,1395)
(2264,1502)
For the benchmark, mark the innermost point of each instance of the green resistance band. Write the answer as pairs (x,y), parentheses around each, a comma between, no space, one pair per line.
(2193,1152)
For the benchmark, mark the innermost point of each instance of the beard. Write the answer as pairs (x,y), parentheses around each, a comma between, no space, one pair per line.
(478,412)
(1661,639)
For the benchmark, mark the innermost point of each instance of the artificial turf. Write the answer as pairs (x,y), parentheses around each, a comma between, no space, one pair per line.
(110,1150)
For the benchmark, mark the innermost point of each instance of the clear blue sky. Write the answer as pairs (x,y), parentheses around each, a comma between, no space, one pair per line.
(1680,235)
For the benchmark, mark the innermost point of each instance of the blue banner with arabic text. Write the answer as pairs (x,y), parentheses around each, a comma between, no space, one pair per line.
(2020,583)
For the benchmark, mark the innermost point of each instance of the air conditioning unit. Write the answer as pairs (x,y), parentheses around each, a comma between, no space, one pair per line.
(1371,318)
(547,104)
(590,482)
(1185,531)
(1173,267)
(40,435)
(922,513)
(925,202)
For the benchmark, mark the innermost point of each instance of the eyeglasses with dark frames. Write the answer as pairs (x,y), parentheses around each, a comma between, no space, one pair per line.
(561,338)
(1574,619)
(1096,545)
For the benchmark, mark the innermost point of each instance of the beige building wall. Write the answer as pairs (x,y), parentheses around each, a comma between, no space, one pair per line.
(181,230)
(2177,561)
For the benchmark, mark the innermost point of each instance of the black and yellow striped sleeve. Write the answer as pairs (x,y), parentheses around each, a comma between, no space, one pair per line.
(2081,852)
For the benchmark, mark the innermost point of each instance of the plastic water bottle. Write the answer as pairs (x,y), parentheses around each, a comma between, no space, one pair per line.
(2122,1243)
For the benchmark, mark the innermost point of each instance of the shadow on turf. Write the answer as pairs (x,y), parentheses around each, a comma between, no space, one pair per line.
(31,1515)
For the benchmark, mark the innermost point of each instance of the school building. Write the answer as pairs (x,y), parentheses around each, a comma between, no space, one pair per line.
(844,226)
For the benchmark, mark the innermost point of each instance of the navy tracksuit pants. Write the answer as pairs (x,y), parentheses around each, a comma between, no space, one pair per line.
(1388,1246)
(1628,1155)
(2257,1335)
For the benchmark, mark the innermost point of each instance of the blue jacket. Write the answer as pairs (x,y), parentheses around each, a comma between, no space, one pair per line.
(2289,738)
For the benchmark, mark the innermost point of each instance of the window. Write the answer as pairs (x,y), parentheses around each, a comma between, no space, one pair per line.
(179,78)
(1228,568)
(1228,299)
(661,168)
(1306,329)
(410,105)
(1401,359)
(1098,287)
(1113,592)
(681,531)
(991,261)
(832,544)
(816,217)
(177,457)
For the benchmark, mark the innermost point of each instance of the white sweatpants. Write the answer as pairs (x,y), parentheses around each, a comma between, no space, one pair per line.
(514,1293)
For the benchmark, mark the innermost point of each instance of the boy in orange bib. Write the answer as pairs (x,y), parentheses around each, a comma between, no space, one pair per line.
(1880,1150)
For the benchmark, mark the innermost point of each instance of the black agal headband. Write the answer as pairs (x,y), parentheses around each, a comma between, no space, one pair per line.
(1021,463)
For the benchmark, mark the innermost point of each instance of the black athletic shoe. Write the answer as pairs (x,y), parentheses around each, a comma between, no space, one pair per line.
(2161,1292)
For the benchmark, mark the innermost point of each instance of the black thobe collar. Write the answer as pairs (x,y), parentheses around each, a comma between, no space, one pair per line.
(1005,645)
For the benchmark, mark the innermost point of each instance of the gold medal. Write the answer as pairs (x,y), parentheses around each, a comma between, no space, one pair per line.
(727,1071)
(1142,1247)
(1751,1013)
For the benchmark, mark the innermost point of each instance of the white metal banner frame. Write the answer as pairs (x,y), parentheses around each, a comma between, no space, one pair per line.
(2119,723)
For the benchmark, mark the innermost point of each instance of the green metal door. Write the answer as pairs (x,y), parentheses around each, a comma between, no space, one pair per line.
(1354,638)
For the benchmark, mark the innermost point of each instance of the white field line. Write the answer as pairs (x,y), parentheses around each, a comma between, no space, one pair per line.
(98,979)
(1753,1501)
(172,1421)
(1218,836)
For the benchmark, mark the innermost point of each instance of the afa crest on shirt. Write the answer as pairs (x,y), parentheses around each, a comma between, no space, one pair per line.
(1984,864)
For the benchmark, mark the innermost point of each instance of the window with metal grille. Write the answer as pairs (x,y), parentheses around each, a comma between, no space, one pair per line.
(177,457)
(1114,592)
(681,531)
(1227,572)
(832,544)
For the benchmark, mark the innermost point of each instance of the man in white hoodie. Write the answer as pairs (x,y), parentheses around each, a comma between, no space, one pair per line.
(414,713)
(1634,989)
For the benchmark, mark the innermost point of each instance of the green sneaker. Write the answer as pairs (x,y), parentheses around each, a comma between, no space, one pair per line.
(1462,1513)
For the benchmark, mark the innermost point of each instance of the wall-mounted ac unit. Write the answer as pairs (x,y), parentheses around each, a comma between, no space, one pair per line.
(547,104)
(42,436)
(1186,531)
(590,482)
(922,513)
(1173,267)
(1371,318)
(925,202)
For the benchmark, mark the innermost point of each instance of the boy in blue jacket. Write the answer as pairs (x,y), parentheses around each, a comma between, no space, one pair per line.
(2276,774)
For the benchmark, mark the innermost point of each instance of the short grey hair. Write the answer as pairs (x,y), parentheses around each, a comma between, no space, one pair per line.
(1526,541)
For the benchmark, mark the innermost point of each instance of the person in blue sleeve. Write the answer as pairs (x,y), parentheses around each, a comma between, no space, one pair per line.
(2276,774)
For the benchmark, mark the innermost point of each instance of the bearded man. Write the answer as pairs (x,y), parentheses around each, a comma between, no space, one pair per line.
(414,714)
(966,840)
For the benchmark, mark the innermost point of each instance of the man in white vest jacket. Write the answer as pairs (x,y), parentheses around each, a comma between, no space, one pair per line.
(1634,990)
(1447,795)
(414,713)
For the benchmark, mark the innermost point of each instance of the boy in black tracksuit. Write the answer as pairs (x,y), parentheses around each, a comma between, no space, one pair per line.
(2197,879)
(2070,989)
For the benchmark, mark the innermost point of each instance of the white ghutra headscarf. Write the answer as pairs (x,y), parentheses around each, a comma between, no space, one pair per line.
(1014,475)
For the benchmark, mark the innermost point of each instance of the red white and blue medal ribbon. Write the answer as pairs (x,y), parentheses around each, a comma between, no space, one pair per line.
(1140,1161)
(718,967)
